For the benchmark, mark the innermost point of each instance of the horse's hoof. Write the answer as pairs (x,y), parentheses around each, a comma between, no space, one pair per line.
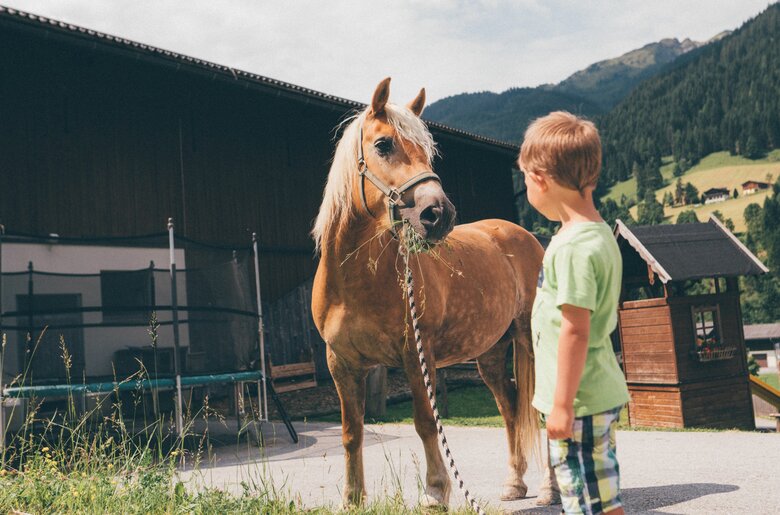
(548,498)
(513,492)
(428,502)
(434,498)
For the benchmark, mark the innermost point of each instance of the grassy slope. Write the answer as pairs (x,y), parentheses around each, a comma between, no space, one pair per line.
(716,170)
(771,379)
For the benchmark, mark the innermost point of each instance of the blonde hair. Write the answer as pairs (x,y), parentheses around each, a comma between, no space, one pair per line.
(565,147)
(336,207)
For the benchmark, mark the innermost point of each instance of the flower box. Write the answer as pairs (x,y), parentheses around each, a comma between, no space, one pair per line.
(715,354)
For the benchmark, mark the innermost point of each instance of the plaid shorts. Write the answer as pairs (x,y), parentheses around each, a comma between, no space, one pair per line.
(586,465)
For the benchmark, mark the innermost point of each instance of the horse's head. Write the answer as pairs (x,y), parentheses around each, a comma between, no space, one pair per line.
(382,170)
(395,165)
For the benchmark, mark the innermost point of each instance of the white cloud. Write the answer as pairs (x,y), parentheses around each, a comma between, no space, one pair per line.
(449,46)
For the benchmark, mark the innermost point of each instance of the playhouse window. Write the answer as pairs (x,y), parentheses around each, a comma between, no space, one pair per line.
(126,297)
(706,323)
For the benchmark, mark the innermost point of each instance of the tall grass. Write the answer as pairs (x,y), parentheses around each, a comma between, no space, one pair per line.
(76,460)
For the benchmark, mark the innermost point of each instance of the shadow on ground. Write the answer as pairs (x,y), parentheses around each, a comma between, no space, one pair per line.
(651,498)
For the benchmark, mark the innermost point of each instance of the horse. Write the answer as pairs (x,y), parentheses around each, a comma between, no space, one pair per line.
(476,284)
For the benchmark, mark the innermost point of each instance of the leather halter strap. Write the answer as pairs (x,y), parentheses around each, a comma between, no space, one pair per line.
(393,194)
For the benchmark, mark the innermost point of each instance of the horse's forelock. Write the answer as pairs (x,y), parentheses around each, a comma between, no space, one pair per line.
(336,205)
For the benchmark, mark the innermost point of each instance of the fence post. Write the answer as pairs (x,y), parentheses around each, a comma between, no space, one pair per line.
(2,356)
(376,392)
(176,348)
(260,334)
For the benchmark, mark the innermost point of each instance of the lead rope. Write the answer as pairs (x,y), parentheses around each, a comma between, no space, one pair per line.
(431,394)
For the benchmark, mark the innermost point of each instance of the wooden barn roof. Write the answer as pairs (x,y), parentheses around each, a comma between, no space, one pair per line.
(691,251)
(176,62)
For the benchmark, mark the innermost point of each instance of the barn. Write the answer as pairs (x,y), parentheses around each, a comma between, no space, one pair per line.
(105,138)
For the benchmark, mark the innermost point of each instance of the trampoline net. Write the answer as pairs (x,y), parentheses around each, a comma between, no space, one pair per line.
(106,307)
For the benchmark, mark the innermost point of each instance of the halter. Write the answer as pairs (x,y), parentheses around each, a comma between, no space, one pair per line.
(393,194)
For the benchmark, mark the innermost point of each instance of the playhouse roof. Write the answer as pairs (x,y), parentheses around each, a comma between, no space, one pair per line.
(690,251)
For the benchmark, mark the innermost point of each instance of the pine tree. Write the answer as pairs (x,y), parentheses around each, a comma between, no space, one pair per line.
(687,217)
(679,192)
(650,211)
(690,194)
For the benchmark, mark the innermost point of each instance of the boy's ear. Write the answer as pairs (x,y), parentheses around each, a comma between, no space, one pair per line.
(539,179)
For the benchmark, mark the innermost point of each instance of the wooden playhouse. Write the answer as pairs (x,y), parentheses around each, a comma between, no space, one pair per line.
(684,353)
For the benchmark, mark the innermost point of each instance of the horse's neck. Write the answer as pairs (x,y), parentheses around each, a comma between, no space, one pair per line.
(358,254)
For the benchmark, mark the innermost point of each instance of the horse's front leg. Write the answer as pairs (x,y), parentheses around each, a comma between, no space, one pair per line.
(437,481)
(351,386)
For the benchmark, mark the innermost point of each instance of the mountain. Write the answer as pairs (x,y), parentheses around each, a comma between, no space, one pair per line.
(504,116)
(588,92)
(723,96)
(609,81)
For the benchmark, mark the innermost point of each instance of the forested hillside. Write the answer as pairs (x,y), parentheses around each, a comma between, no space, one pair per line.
(724,96)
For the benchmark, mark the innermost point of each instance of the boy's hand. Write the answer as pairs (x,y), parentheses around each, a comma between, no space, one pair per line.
(560,423)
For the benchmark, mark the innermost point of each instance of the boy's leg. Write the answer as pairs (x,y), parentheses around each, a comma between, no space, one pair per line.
(586,466)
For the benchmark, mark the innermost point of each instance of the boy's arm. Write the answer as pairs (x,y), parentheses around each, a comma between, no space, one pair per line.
(572,352)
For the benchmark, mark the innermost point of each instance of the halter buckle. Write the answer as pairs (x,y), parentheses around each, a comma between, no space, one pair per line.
(394,196)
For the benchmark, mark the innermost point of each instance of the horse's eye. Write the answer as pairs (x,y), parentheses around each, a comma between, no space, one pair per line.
(384,146)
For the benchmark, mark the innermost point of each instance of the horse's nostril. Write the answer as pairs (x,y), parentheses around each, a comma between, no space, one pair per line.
(431,215)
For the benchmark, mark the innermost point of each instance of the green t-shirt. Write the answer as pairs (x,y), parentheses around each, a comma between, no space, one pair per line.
(581,267)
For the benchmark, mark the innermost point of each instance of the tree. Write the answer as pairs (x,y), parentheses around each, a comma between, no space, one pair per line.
(752,365)
(668,199)
(771,227)
(753,148)
(687,217)
(612,211)
(677,171)
(755,224)
(728,222)
(650,211)
(735,193)
(690,194)
(679,192)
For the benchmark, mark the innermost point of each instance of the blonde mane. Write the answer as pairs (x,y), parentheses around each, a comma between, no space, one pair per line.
(336,207)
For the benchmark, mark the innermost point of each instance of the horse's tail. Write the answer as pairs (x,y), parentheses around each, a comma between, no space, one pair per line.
(527,441)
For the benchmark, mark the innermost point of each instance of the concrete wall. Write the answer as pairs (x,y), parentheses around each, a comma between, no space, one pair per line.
(100,343)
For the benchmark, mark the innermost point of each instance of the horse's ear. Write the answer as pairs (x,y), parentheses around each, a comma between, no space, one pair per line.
(381,94)
(418,104)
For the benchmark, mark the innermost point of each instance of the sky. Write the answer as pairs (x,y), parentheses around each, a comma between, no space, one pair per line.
(448,46)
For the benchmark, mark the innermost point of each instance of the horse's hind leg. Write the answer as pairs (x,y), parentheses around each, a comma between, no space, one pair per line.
(351,386)
(493,369)
(437,481)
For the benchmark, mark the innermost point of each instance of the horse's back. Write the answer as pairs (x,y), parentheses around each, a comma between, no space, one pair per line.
(508,236)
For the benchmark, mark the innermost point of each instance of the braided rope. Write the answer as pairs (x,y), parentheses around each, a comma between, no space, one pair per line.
(431,394)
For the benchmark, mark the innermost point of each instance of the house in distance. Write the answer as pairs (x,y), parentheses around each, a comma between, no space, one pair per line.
(715,195)
(680,325)
(750,187)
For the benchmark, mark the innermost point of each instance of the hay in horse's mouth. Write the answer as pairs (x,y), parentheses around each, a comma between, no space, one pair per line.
(413,242)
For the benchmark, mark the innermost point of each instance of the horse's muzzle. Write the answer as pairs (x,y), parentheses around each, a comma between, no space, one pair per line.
(431,214)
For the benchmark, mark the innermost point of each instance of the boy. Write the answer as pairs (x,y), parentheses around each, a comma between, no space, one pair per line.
(579,386)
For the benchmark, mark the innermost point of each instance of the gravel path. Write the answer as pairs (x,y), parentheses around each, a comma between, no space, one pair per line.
(663,472)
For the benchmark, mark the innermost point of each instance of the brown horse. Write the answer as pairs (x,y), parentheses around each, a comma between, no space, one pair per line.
(475,288)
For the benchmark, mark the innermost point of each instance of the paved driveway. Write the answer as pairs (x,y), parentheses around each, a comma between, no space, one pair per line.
(663,472)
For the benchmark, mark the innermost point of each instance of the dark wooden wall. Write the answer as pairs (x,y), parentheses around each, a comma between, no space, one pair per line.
(96,141)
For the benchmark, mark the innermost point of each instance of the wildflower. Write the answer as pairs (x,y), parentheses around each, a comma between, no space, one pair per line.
(174,453)
(45,449)
(110,465)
